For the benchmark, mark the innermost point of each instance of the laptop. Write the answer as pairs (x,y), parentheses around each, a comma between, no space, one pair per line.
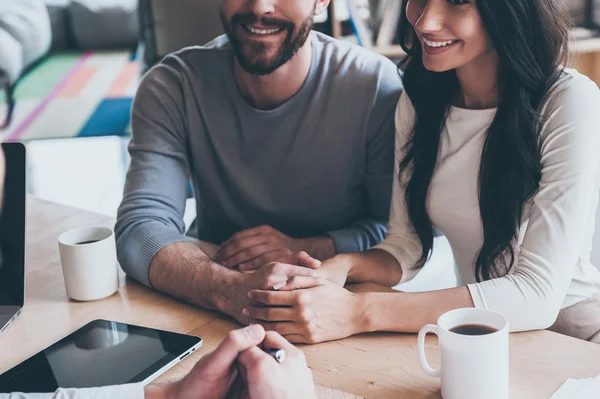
(12,235)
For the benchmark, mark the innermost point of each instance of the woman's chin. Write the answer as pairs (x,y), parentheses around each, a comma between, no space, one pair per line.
(435,66)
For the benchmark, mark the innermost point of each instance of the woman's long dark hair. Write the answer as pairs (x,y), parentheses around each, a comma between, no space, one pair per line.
(531,39)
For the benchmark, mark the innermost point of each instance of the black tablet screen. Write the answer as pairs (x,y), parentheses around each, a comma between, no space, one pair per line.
(99,354)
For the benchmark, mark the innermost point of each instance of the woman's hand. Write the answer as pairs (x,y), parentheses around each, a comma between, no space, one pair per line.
(309,310)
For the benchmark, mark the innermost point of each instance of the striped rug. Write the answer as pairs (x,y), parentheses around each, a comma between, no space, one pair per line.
(75,95)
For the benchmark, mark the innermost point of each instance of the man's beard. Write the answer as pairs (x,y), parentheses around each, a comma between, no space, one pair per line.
(254,60)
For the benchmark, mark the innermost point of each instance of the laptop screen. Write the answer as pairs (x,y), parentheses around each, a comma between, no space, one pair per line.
(12,232)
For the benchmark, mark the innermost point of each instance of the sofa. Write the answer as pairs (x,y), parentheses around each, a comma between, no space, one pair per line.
(93,24)
(24,38)
(29,29)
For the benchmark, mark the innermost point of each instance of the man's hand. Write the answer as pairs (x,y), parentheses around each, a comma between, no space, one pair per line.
(269,277)
(252,248)
(309,310)
(213,375)
(263,378)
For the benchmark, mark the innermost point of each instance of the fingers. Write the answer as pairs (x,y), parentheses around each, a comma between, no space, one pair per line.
(282,327)
(263,259)
(236,247)
(274,298)
(270,314)
(275,274)
(297,339)
(250,253)
(304,259)
(221,359)
(274,340)
(247,233)
(302,282)
(301,259)
(257,360)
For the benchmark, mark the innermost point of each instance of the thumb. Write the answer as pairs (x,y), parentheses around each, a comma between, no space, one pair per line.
(304,259)
(250,360)
(222,358)
(301,282)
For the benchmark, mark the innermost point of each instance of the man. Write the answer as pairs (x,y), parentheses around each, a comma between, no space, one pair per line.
(237,368)
(278,127)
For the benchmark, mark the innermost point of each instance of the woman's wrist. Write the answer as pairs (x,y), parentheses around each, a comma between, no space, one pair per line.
(336,269)
(364,318)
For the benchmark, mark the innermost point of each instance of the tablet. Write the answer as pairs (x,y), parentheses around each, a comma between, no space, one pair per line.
(99,354)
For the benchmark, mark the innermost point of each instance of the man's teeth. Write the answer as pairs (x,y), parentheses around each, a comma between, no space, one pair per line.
(262,31)
(437,44)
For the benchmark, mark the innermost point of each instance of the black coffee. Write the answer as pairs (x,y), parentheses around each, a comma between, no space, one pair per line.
(473,329)
(87,242)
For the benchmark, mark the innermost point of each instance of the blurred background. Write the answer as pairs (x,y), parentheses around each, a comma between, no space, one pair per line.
(69,70)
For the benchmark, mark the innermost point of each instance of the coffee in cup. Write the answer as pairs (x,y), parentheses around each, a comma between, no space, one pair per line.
(89,263)
(473,347)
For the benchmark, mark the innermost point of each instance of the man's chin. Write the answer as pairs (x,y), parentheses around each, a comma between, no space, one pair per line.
(259,64)
(259,68)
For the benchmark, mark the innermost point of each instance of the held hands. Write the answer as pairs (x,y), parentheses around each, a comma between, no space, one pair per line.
(301,299)
(253,248)
(268,277)
(308,310)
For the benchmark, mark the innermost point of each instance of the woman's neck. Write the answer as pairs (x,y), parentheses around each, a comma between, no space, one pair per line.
(478,82)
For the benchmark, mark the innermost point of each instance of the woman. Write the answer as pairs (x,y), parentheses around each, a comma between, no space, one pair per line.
(496,147)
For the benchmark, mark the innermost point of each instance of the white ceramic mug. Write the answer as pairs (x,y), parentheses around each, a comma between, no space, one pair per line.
(89,263)
(472,366)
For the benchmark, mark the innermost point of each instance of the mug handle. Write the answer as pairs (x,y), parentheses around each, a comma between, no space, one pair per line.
(429,328)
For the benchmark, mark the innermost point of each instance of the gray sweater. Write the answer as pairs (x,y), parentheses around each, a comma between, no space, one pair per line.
(321,163)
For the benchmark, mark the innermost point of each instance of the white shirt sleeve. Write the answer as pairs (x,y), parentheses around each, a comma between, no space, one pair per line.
(129,391)
(530,296)
(401,240)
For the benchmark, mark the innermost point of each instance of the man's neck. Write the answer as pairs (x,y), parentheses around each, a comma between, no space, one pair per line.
(270,91)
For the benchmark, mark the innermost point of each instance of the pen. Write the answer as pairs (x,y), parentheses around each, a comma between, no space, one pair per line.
(278,354)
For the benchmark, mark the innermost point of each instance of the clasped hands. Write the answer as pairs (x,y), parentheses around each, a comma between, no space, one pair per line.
(297,296)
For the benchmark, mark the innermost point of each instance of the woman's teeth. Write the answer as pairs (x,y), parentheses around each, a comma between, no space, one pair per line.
(438,44)
(262,31)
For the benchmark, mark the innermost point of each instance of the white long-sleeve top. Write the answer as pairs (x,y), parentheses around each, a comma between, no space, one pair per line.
(128,391)
(552,268)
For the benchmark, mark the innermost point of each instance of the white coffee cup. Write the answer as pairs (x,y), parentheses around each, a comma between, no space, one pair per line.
(472,366)
(89,263)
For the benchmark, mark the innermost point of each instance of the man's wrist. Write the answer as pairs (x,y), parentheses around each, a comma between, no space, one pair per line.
(235,281)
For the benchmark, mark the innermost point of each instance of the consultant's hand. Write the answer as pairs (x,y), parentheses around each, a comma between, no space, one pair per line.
(213,376)
(309,310)
(263,378)
(252,248)
(269,277)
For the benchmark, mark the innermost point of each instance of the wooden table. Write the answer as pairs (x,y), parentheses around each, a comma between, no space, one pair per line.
(378,365)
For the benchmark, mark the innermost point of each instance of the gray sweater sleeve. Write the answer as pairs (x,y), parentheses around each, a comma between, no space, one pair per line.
(129,391)
(151,214)
(370,229)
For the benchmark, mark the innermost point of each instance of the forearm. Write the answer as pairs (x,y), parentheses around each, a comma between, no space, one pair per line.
(321,248)
(408,312)
(184,271)
(376,266)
